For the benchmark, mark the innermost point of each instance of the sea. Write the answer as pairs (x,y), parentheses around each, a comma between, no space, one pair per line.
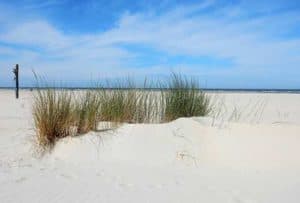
(229,90)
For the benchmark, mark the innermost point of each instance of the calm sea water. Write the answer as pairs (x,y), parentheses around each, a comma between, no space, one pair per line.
(293,91)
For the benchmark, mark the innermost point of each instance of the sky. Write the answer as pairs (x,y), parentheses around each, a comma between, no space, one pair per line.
(223,43)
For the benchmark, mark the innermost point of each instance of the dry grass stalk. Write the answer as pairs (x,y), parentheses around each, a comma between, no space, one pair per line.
(53,115)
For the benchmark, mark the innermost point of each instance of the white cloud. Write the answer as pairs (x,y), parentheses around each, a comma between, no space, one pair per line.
(36,33)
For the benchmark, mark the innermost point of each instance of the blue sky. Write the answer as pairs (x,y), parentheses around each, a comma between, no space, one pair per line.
(226,44)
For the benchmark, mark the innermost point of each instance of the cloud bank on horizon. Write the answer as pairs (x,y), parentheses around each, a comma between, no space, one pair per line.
(227,44)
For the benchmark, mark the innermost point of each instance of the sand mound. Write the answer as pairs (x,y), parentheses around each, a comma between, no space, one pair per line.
(188,141)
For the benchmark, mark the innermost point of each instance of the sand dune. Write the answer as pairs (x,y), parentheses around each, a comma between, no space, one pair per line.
(249,152)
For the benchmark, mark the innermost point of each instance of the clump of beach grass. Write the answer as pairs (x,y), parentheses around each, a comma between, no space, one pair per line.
(56,114)
(125,103)
(53,115)
(183,98)
(87,111)
(148,107)
(117,106)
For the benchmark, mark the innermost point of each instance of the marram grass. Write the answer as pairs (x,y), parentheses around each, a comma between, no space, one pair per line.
(184,98)
(53,115)
(125,105)
(87,111)
(56,113)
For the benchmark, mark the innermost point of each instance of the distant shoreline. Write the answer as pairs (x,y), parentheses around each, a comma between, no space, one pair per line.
(231,90)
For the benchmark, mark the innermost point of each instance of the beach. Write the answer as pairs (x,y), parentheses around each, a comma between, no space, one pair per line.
(246,150)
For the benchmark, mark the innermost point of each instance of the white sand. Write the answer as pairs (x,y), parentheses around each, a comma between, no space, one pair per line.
(251,154)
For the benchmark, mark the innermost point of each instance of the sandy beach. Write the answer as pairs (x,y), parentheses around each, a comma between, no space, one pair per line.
(246,151)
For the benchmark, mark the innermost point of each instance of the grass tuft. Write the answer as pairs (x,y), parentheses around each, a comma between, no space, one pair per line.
(53,115)
(120,106)
(87,111)
(184,98)
(125,103)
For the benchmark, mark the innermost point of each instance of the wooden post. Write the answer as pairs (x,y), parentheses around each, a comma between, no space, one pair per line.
(16,72)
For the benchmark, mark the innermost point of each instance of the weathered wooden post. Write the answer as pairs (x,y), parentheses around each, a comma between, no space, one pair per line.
(16,72)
